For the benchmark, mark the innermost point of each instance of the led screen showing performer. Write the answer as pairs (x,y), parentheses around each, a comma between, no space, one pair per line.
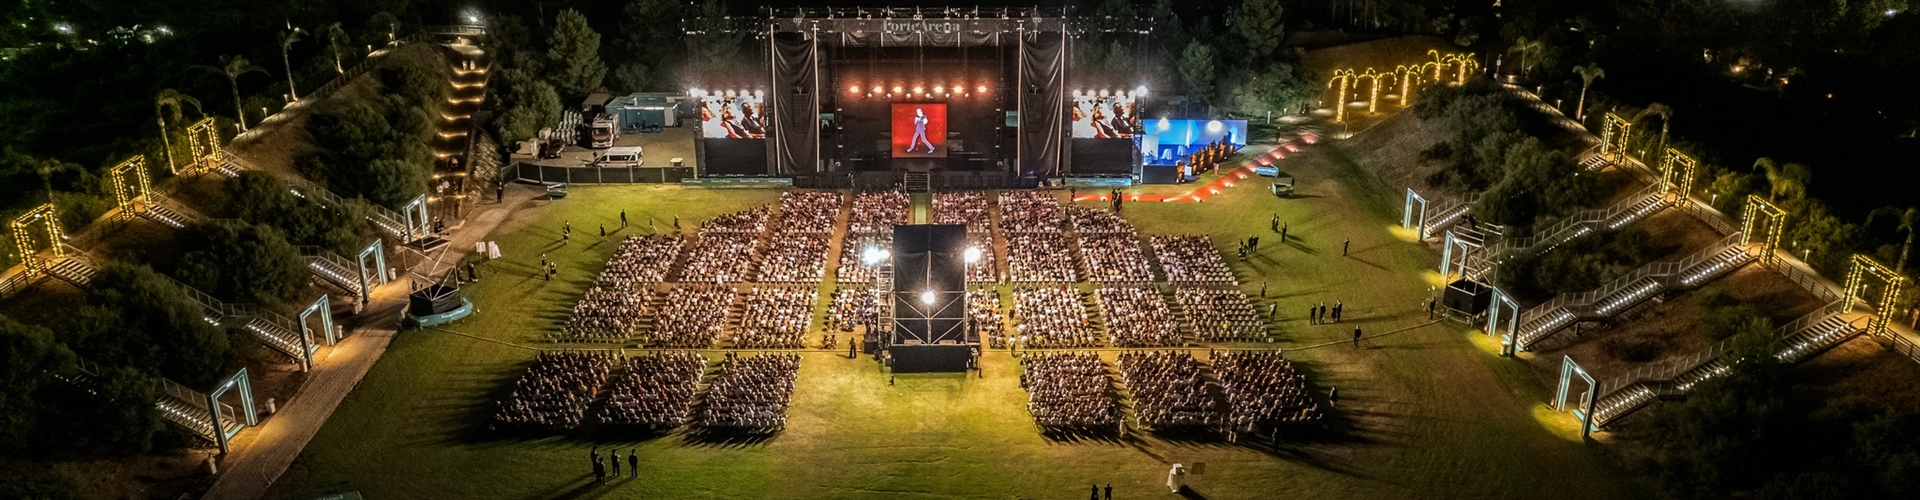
(732,116)
(919,130)
(1112,116)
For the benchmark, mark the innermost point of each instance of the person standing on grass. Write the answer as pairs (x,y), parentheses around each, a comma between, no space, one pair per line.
(1283,232)
(633,461)
(603,231)
(614,456)
(623,218)
(1344,246)
(1356,336)
(599,471)
(1109,494)
(1276,223)
(1094,494)
(1333,396)
(1313,315)
(1430,304)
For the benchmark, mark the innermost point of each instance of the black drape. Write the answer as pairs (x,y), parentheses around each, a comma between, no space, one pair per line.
(796,108)
(1043,126)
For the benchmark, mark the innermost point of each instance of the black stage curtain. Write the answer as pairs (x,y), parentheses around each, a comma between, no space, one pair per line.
(796,111)
(1043,125)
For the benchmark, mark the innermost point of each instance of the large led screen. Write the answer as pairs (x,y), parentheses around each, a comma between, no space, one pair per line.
(732,116)
(1098,116)
(919,130)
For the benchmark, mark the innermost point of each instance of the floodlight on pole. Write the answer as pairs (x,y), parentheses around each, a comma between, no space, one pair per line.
(972,255)
(927,297)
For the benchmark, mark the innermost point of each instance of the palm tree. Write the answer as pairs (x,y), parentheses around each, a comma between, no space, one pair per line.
(168,104)
(1909,222)
(234,67)
(339,43)
(1529,50)
(1788,180)
(1588,74)
(46,169)
(287,39)
(1666,118)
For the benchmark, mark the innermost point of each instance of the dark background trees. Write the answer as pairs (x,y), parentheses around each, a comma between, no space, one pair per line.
(240,261)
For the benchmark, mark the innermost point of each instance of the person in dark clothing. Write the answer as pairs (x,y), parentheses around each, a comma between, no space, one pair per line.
(1333,396)
(1337,306)
(1263,289)
(472,273)
(1254,242)
(1094,494)
(850,350)
(603,231)
(1356,336)
(1283,232)
(566,227)
(1344,246)
(676,222)
(1313,315)
(1323,313)
(1430,304)
(633,461)
(623,218)
(500,192)
(1276,223)
(599,471)
(1109,493)
(614,457)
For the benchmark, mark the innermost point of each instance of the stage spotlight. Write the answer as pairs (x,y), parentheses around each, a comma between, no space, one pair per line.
(877,90)
(981,89)
(927,297)
(854,89)
(1165,125)
(897,89)
(1215,126)
(939,89)
(919,90)
(1140,91)
(873,255)
(972,254)
(696,93)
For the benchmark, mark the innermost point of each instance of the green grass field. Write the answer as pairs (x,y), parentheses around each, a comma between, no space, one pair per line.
(1427,412)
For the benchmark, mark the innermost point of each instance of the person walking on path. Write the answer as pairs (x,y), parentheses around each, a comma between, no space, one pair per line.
(1356,336)
(633,461)
(1344,246)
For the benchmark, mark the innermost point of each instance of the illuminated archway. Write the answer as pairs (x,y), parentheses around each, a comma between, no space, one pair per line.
(40,220)
(1509,336)
(1865,271)
(1762,222)
(203,142)
(1676,175)
(1613,137)
(1413,215)
(131,185)
(1568,370)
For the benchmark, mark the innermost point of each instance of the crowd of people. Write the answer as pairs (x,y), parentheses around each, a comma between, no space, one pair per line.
(655,390)
(1040,258)
(1138,317)
(1220,315)
(1115,258)
(1030,211)
(1090,221)
(1168,391)
(1263,389)
(692,317)
(963,207)
(854,270)
(721,256)
(1191,259)
(615,305)
(983,312)
(555,391)
(808,211)
(854,307)
(1068,392)
(752,220)
(776,317)
(750,394)
(1051,317)
(877,212)
(794,258)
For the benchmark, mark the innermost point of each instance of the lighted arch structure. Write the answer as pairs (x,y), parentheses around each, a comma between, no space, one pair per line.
(240,382)
(203,142)
(1408,212)
(1568,370)
(131,186)
(1762,223)
(40,220)
(1866,270)
(1676,175)
(1504,303)
(1613,137)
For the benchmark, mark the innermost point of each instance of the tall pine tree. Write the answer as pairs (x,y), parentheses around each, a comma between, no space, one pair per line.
(573,55)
